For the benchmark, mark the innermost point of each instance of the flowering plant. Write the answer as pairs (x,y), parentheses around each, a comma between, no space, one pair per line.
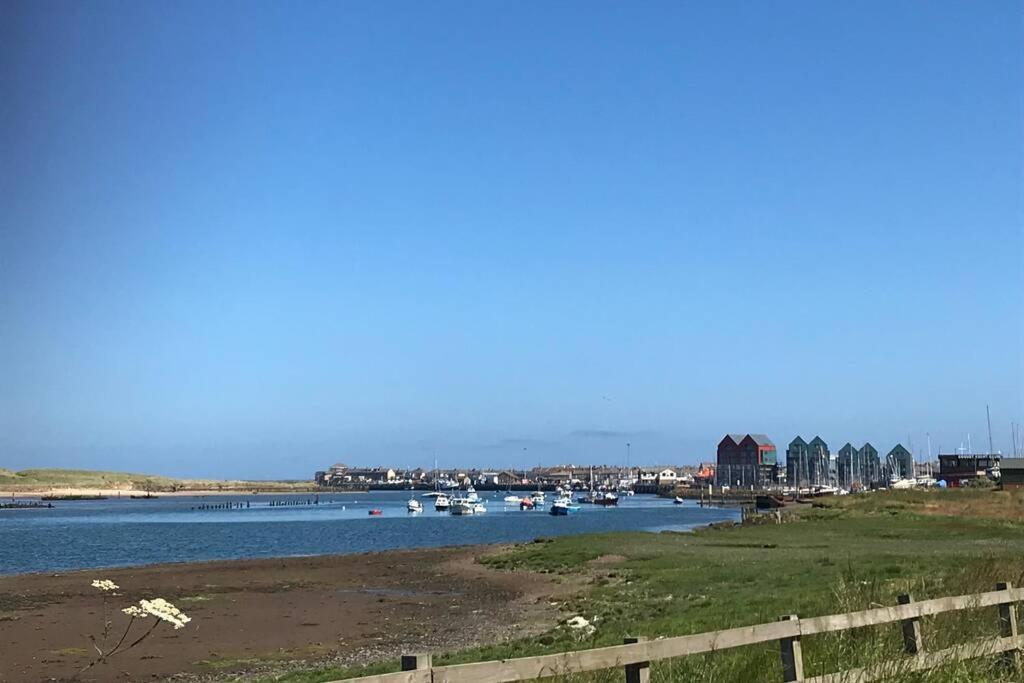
(158,608)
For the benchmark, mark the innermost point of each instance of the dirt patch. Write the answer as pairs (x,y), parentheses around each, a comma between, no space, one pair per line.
(254,615)
(607,561)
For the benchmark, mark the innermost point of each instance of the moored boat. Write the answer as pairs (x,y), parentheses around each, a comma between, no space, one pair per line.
(563,506)
(414,505)
(442,503)
(376,512)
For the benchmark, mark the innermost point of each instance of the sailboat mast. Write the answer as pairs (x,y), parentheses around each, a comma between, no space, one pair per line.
(988,418)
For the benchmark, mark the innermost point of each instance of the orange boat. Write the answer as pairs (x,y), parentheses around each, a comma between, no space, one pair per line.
(376,512)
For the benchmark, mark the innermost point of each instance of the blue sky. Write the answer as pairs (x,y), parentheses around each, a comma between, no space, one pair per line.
(252,239)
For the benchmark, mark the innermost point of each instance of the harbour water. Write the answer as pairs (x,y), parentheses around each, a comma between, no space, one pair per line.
(125,532)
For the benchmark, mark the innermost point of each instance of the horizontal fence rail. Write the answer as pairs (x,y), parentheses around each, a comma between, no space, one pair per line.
(636,654)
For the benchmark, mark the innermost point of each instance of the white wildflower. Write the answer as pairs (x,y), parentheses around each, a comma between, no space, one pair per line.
(105,584)
(161,609)
(135,611)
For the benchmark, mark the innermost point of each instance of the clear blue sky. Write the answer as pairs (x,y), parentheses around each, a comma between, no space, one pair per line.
(254,238)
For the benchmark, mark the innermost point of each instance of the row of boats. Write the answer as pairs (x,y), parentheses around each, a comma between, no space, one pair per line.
(471,504)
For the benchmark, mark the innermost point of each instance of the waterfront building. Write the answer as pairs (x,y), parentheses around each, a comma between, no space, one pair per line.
(858,467)
(746,460)
(1012,473)
(899,463)
(958,469)
(807,463)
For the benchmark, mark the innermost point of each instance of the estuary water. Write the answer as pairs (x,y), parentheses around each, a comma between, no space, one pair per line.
(121,532)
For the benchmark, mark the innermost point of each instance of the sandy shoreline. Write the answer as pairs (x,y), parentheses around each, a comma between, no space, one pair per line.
(127,493)
(254,616)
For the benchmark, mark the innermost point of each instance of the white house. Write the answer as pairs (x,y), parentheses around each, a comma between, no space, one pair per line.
(667,476)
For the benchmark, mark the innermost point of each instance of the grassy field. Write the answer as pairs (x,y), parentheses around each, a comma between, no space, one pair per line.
(41,479)
(855,553)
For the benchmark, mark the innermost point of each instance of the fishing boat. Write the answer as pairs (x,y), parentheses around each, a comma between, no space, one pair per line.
(462,506)
(563,506)
(376,512)
(599,498)
(414,505)
(442,503)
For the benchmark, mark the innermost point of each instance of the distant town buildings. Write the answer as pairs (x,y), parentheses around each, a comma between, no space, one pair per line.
(807,463)
(1012,473)
(746,460)
(959,469)
(900,463)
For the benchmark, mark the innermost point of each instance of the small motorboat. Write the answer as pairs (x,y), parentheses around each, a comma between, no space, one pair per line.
(526,504)
(563,506)
(479,508)
(511,499)
(414,505)
(537,498)
(442,503)
(463,506)
(376,512)
(678,500)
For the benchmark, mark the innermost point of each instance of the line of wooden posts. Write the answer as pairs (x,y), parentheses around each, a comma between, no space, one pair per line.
(636,654)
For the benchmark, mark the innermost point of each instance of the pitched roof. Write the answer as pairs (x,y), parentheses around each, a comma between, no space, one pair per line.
(762,439)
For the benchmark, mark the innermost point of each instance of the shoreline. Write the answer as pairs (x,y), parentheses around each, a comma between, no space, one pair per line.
(126,493)
(256,616)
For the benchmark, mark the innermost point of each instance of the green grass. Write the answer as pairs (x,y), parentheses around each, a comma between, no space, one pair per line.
(860,553)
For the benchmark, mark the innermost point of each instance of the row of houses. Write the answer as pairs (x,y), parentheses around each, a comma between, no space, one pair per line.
(751,460)
(601,475)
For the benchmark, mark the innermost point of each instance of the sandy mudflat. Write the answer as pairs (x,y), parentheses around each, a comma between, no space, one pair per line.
(126,493)
(349,608)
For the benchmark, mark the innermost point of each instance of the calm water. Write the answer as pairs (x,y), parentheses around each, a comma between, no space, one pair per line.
(124,532)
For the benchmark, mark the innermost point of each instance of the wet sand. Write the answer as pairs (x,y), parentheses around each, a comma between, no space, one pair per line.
(257,616)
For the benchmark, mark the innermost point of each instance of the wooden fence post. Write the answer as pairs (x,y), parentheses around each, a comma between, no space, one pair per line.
(416,662)
(792,654)
(912,641)
(1008,626)
(641,671)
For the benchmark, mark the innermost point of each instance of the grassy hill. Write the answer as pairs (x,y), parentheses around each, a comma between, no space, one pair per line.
(98,479)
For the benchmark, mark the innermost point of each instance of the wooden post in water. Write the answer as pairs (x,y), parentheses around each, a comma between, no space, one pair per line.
(640,672)
(912,642)
(1008,626)
(792,654)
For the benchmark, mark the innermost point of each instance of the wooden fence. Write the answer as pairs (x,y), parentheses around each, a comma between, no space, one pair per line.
(636,654)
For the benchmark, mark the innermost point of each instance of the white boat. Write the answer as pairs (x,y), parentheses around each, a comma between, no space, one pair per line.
(414,505)
(462,506)
(479,508)
(441,503)
(512,499)
(563,506)
(537,498)
(678,501)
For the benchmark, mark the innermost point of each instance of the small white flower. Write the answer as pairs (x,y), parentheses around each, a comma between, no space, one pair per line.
(134,611)
(161,609)
(105,584)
